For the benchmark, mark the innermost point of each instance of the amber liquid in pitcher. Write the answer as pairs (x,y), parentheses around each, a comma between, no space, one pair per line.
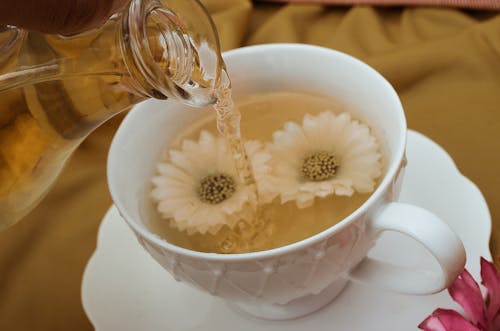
(55,90)
(42,123)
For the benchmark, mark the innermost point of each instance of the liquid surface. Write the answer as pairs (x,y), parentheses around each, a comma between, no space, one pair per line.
(278,225)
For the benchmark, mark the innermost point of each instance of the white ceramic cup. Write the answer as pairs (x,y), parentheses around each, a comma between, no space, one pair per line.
(297,279)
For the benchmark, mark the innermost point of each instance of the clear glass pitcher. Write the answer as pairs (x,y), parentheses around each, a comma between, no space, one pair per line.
(55,90)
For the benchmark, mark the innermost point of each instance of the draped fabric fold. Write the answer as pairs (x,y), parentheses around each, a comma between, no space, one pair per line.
(473,4)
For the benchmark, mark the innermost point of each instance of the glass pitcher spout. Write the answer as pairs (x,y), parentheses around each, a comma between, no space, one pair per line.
(55,90)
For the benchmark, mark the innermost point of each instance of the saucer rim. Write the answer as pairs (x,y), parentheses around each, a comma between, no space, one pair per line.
(486,228)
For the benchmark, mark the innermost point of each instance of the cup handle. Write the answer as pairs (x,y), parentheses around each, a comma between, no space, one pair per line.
(428,229)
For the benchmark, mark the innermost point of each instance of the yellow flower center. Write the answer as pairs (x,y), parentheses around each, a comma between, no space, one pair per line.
(319,166)
(214,189)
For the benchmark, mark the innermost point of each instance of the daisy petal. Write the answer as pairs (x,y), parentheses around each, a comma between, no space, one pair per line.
(176,185)
(496,322)
(465,291)
(347,140)
(446,320)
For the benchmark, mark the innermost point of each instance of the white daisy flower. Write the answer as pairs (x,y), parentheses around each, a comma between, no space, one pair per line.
(198,189)
(328,154)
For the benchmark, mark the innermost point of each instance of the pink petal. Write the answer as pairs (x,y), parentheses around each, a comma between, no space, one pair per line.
(465,291)
(491,280)
(446,320)
(496,323)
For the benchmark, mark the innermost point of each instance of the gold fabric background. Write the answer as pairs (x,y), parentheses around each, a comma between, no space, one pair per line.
(444,63)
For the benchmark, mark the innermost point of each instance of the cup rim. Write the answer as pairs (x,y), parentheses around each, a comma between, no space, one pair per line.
(304,243)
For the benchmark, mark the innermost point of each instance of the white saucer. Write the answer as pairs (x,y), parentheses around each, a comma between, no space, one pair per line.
(125,289)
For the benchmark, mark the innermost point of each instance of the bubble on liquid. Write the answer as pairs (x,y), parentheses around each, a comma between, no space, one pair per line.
(270,229)
(229,244)
(246,230)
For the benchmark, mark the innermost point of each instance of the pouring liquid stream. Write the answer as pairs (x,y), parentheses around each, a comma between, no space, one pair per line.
(228,118)
(228,125)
